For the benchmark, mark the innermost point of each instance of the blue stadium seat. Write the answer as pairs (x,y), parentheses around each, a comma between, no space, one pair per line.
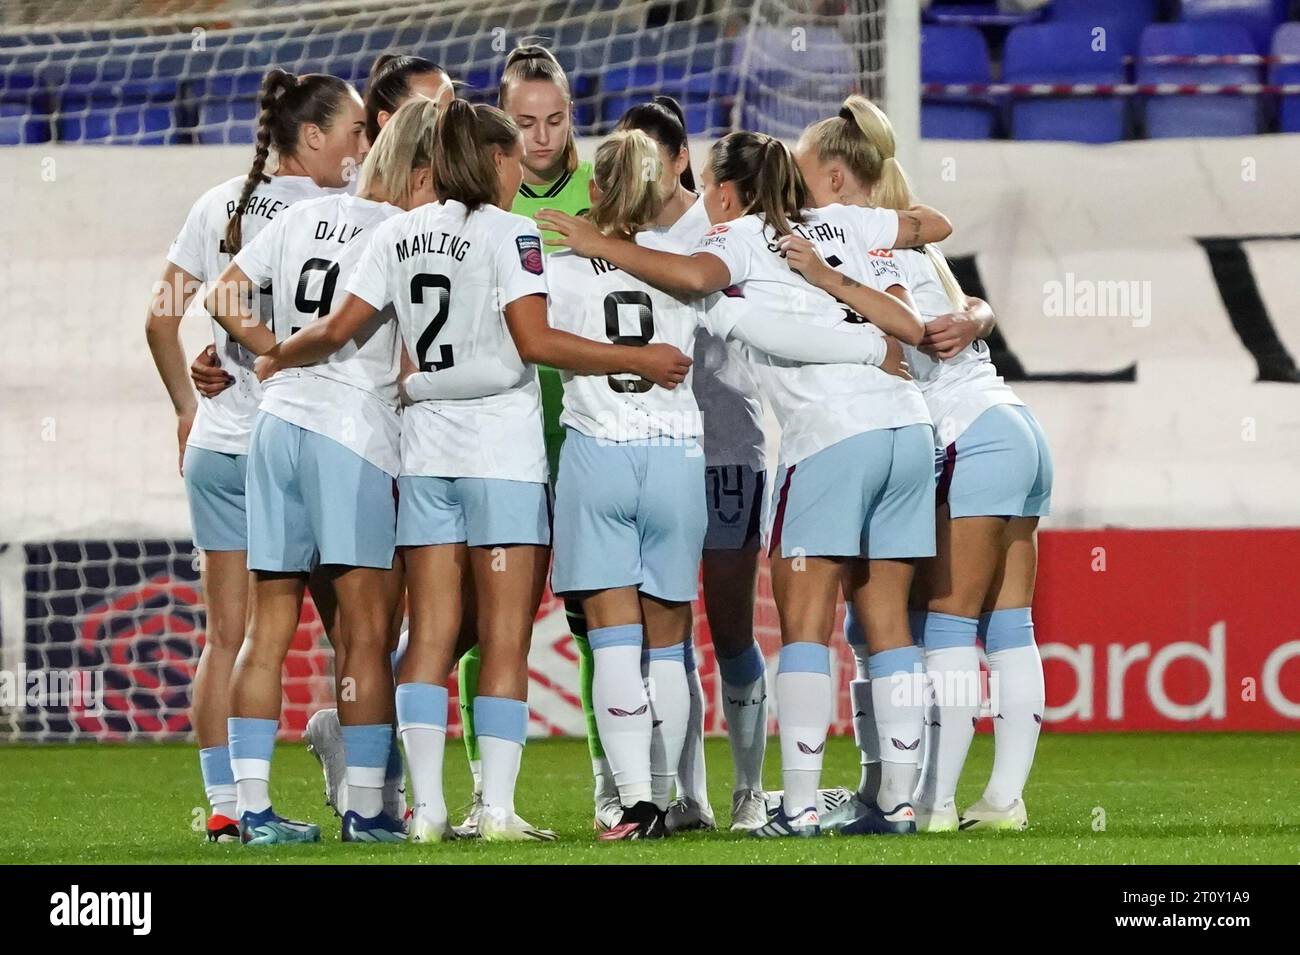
(1258,17)
(1127,18)
(243,84)
(978,15)
(16,82)
(1064,53)
(139,125)
(23,122)
(379,40)
(228,121)
(954,55)
(1174,116)
(1286,42)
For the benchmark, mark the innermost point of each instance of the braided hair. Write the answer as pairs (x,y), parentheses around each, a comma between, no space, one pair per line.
(287,102)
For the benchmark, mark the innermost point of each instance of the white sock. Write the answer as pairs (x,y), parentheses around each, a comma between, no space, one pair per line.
(603,775)
(803,702)
(395,780)
(954,682)
(224,800)
(618,695)
(897,697)
(422,724)
(744,703)
(366,749)
(692,780)
(476,772)
(425,746)
(501,759)
(670,710)
(253,792)
(219,780)
(1016,692)
(864,734)
(502,727)
(864,718)
(252,743)
(365,790)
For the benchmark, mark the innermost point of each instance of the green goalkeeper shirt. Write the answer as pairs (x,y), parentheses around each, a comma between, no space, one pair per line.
(570,194)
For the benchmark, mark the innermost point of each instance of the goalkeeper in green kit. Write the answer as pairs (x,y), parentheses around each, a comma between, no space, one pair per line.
(535,93)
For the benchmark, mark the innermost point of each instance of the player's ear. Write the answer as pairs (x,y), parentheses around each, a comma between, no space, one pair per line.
(311,136)
(593,190)
(681,162)
(382,118)
(836,178)
(727,195)
(422,186)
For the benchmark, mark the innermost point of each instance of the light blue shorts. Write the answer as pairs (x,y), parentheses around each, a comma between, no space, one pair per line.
(733,495)
(871,495)
(214,484)
(479,512)
(629,515)
(998,467)
(312,501)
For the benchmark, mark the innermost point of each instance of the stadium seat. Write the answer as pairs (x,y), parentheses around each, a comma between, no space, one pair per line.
(1064,53)
(15,82)
(1258,17)
(136,124)
(227,121)
(1175,116)
(954,55)
(242,84)
(1286,42)
(22,122)
(1128,18)
(977,15)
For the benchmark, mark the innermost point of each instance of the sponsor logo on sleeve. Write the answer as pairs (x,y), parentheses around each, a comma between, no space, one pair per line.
(530,253)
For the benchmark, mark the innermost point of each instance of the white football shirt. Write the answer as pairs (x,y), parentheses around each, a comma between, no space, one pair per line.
(449,274)
(816,405)
(959,389)
(224,423)
(723,382)
(596,300)
(307,255)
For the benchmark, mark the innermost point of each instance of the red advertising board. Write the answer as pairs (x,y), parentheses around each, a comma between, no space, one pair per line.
(1170,629)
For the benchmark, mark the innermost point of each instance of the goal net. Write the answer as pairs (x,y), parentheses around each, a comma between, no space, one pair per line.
(101,614)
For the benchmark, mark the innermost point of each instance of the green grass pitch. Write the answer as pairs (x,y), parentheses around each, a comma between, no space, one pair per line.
(1152,798)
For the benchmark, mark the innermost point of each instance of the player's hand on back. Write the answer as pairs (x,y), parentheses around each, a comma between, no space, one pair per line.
(893,363)
(264,366)
(209,378)
(803,257)
(664,364)
(578,234)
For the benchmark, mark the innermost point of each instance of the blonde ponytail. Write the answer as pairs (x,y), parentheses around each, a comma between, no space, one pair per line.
(862,138)
(404,145)
(626,171)
(956,297)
